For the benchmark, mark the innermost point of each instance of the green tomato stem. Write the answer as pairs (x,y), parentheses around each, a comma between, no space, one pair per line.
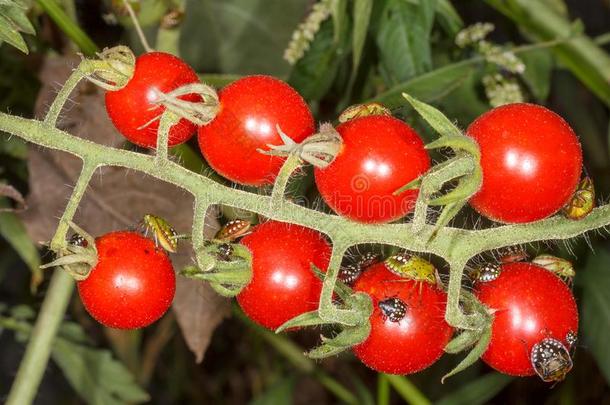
(61,98)
(38,350)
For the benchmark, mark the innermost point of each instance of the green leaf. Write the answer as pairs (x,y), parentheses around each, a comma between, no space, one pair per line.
(95,375)
(362,17)
(13,146)
(14,232)
(278,393)
(242,37)
(315,72)
(595,307)
(479,391)
(465,102)
(537,75)
(430,86)
(13,21)
(339,14)
(448,18)
(10,34)
(587,61)
(403,39)
(218,80)
(473,355)
(18,17)
(435,118)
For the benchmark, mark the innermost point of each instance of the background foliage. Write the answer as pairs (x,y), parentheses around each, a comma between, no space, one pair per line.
(365,50)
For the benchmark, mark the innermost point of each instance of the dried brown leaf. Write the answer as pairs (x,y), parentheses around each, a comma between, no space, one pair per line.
(116,198)
(6,190)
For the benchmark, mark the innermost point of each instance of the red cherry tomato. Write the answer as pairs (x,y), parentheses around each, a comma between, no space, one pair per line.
(133,283)
(529,304)
(251,108)
(283,284)
(380,154)
(133,109)
(402,344)
(531,161)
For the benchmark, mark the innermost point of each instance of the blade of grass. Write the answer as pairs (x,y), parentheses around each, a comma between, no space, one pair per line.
(294,354)
(407,390)
(383,390)
(478,391)
(68,26)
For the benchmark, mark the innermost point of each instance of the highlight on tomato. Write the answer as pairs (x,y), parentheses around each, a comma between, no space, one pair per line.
(379,155)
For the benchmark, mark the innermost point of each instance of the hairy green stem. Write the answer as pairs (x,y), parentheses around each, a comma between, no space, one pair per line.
(59,239)
(449,242)
(327,309)
(454,245)
(200,209)
(434,181)
(279,187)
(453,314)
(167,121)
(63,95)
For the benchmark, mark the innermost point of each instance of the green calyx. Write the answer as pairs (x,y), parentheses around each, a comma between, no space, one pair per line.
(77,259)
(346,335)
(477,338)
(319,149)
(464,168)
(112,70)
(226,266)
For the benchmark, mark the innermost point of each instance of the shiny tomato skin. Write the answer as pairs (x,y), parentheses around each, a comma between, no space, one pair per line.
(531,161)
(133,283)
(250,110)
(379,155)
(132,109)
(283,284)
(415,342)
(529,304)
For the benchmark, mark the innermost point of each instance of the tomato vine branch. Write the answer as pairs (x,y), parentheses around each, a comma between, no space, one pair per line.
(456,246)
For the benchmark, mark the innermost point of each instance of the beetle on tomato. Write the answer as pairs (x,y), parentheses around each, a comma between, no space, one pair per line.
(408,327)
(533,309)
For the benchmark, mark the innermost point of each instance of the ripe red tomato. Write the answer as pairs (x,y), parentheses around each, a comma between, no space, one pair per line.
(379,155)
(133,108)
(531,161)
(406,336)
(283,284)
(133,283)
(529,304)
(250,110)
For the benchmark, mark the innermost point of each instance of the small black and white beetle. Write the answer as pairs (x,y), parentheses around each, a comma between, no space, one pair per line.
(393,309)
(551,360)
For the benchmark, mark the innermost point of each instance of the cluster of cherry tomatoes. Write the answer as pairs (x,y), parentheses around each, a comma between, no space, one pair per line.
(531,162)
